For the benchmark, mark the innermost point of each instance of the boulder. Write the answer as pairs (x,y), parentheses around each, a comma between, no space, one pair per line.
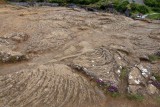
(7,55)
(144,71)
(135,77)
(134,89)
(152,89)
(20,37)
(16,37)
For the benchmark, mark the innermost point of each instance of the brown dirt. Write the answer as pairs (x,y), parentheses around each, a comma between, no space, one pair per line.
(2,2)
(59,36)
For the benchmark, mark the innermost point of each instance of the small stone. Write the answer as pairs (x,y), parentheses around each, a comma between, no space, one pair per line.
(120,67)
(119,71)
(119,57)
(92,61)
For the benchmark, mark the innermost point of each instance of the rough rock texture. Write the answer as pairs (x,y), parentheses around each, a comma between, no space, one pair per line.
(55,37)
(155,35)
(152,89)
(135,77)
(53,85)
(9,56)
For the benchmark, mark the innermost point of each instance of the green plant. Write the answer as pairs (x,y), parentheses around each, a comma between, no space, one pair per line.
(58,1)
(156,9)
(154,16)
(115,94)
(84,2)
(139,8)
(152,3)
(157,76)
(136,97)
(143,9)
(158,99)
(124,73)
(154,57)
(122,6)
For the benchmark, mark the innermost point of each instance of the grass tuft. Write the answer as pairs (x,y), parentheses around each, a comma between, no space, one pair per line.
(136,97)
(154,58)
(157,76)
(124,73)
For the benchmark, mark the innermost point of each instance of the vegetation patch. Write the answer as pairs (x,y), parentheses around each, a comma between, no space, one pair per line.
(115,94)
(154,58)
(122,6)
(158,99)
(157,76)
(151,6)
(12,59)
(84,2)
(152,3)
(136,97)
(154,16)
(137,8)
(58,1)
(156,83)
(108,87)
(124,73)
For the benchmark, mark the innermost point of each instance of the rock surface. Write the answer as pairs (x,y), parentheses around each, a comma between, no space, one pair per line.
(108,46)
(152,89)
(9,56)
(135,77)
